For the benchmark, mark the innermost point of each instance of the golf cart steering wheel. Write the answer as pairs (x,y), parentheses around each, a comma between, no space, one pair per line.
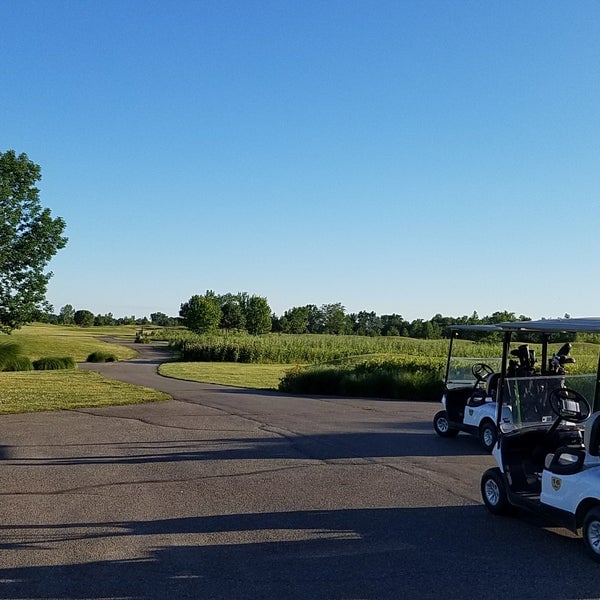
(481,371)
(569,405)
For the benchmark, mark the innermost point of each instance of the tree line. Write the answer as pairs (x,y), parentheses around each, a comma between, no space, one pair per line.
(241,312)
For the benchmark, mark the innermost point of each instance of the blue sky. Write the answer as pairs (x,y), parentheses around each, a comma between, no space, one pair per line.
(411,157)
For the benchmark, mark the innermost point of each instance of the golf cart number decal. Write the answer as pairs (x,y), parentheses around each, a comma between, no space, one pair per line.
(556,483)
(470,412)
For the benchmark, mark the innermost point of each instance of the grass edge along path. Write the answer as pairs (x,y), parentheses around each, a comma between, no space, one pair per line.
(244,375)
(34,391)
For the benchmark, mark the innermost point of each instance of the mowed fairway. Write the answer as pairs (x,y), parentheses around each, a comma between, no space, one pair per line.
(78,342)
(256,376)
(32,391)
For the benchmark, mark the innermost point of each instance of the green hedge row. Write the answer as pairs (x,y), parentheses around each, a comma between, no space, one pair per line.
(387,379)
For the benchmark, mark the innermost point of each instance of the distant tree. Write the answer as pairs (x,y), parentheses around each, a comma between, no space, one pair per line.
(83,318)
(431,330)
(66,316)
(43,315)
(392,324)
(416,329)
(276,324)
(295,320)
(29,238)
(104,320)
(127,320)
(334,319)
(162,320)
(258,315)
(202,314)
(366,323)
(474,319)
(232,316)
(316,319)
(440,325)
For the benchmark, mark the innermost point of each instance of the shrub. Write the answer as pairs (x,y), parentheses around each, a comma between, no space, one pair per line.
(18,363)
(11,358)
(8,353)
(99,356)
(386,379)
(53,363)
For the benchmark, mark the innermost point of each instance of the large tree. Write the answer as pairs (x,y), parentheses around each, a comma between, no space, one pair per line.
(66,315)
(295,320)
(258,315)
(29,238)
(202,314)
(335,319)
(83,318)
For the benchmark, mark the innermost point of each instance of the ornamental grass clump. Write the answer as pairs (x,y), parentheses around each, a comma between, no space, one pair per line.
(54,363)
(11,358)
(18,363)
(100,357)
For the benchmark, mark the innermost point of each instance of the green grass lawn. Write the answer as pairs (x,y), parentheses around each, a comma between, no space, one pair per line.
(41,340)
(32,391)
(255,376)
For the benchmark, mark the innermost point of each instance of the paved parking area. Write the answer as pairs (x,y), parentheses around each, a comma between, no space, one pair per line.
(226,493)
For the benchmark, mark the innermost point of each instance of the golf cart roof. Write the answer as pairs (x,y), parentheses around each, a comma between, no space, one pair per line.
(579,324)
(481,328)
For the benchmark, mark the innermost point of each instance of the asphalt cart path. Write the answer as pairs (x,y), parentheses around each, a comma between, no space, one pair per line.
(231,493)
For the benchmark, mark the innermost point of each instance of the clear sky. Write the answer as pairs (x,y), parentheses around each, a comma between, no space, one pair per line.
(412,157)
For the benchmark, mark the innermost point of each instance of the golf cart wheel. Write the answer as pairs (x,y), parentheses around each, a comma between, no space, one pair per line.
(493,492)
(591,533)
(488,435)
(442,425)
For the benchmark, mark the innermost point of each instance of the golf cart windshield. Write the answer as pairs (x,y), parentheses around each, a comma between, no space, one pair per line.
(541,377)
(528,397)
(461,370)
(464,372)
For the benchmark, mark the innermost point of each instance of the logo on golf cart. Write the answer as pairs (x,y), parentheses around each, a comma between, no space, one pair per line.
(556,483)
(470,412)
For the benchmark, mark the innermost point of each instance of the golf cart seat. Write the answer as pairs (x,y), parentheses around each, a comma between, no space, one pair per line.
(568,460)
(491,385)
(591,439)
(487,393)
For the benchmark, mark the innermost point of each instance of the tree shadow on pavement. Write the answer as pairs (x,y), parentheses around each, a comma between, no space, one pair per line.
(445,552)
(325,446)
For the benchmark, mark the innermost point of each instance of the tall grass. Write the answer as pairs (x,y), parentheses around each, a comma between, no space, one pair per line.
(296,349)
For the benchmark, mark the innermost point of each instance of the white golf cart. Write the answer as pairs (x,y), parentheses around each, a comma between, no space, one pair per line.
(548,450)
(470,384)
